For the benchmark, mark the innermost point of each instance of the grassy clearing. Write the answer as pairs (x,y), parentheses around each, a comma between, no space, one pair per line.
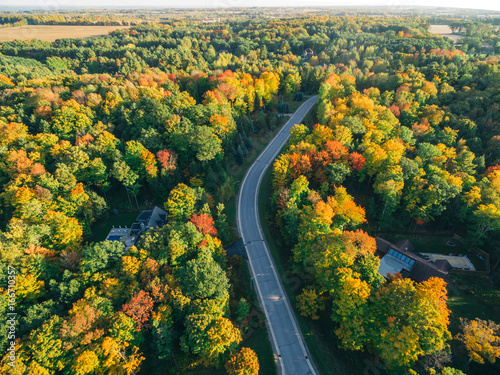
(319,335)
(292,104)
(101,228)
(50,33)
(445,30)
(471,297)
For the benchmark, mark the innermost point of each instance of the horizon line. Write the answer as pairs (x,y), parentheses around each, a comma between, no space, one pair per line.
(153,7)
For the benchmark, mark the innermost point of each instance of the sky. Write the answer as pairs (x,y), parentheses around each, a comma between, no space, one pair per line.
(64,4)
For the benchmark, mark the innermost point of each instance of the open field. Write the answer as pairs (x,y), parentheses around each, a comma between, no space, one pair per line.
(50,33)
(445,31)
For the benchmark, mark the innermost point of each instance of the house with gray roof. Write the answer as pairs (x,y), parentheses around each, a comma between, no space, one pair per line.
(400,258)
(146,220)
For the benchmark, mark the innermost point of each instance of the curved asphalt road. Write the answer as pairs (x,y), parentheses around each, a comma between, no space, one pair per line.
(288,344)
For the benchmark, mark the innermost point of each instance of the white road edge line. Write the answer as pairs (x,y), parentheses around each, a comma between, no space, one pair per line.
(257,287)
(287,302)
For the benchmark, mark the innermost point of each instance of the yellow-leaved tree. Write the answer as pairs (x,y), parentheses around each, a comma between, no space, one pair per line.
(244,362)
(481,338)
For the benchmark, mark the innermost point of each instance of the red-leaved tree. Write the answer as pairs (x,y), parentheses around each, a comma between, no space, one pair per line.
(139,308)
(168,160)
(204,223)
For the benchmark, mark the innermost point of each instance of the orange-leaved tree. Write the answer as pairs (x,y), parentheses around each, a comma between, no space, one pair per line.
(244,362)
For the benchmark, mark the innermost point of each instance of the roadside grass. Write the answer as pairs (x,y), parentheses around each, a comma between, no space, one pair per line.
(238,171)
(292,104)
(256,336)
(101,228)
(319,335)
(260,344)
(206,371)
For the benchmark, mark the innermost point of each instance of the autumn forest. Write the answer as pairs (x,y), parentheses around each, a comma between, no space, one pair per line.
(403,144)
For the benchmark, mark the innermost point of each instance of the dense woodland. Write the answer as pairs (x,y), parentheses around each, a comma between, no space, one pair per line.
(158,114)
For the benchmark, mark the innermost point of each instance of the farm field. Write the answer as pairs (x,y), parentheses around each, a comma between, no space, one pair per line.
(445,30)
(50,33)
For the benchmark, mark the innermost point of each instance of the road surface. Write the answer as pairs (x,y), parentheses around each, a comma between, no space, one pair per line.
(289,347)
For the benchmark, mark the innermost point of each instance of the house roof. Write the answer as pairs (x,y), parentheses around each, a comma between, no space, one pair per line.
(308,52)
(404,245)
(399,256)
(143,216)
(157,218)
(424,270)
(152,218)
(145,220)
(443,265)
(383,246)
(389,264)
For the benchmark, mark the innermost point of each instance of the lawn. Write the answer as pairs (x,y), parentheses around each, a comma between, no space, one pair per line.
(127,212)
(437,244)
(101,228)
(472,297)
